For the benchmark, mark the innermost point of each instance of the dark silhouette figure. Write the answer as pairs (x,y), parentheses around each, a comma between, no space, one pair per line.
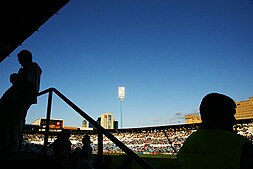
(75,156)
(29,74)
(62,148)
(126,164)
(215,144)
(10,114)
(84,162)
(16,101)
(86,148)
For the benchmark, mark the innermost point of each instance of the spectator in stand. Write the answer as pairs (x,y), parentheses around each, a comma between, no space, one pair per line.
(75,156)
(84,162)
(62,148)
(215,144)
(87,149)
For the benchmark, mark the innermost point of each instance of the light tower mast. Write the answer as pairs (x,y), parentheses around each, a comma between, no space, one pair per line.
(121,97)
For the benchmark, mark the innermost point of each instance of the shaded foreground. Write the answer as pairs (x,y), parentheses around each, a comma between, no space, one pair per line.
(34,161)
(158,161)
(27,161)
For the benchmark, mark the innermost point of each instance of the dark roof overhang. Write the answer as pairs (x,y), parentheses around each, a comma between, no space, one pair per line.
(19,19)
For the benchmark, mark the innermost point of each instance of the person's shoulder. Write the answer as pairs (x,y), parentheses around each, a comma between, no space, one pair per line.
(36,66)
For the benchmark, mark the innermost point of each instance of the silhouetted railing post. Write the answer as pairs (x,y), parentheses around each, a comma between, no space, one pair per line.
(101,131)
(100,148)
(49,105)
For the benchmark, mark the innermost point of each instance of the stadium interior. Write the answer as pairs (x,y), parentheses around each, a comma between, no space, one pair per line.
(19,26)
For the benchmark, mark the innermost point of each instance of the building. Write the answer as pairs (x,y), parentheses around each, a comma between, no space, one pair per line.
(53,123)
(107,120)
(84,124)
(116,124)
(192,118)
(244,110)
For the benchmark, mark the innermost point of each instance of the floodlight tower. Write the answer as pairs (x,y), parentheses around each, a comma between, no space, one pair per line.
(121,97)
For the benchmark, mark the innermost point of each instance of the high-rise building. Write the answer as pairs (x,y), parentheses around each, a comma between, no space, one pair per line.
(116,124)
(106,120)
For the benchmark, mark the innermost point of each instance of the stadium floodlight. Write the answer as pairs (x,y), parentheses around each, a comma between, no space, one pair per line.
(121,93)
(121,97)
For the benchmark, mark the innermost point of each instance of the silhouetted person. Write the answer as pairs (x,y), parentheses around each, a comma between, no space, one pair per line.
(215,145)
(29,74)
(84,162)
(16,101)
(74,156)
(86,148)
(11,104)
(62,148)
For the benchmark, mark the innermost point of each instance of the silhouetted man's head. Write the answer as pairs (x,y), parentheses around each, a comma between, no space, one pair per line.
(24,57)
(219,109)
(86,139)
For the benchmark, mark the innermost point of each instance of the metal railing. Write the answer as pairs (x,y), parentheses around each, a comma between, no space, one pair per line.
(100,129)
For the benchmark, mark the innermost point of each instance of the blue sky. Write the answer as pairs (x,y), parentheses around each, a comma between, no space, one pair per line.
(168,55)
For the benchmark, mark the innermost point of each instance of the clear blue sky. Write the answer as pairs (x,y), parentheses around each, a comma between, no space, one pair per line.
(168,54)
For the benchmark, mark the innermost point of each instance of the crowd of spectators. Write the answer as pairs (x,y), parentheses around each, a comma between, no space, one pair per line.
(142,142)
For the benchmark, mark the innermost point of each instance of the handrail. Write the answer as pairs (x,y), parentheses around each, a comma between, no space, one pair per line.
(102,130)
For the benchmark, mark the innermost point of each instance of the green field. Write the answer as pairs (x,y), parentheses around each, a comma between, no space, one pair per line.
(158,161)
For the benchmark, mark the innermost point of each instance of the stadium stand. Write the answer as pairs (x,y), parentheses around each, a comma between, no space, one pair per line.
(151,140)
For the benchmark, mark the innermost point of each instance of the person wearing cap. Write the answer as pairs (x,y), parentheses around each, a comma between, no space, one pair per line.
(215,144)
(61,149)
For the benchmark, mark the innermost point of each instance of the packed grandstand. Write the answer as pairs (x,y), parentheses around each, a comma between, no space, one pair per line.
(149,140)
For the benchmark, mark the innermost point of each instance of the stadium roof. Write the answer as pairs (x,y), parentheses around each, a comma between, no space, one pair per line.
(21,18)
